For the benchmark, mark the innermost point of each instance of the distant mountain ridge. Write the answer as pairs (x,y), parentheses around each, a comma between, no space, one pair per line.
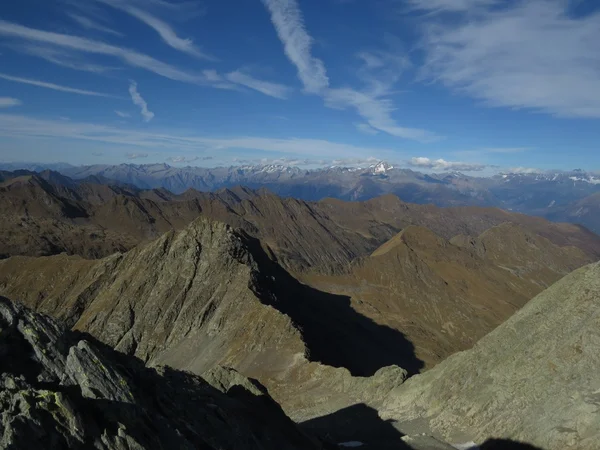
(547,194)
(45,217)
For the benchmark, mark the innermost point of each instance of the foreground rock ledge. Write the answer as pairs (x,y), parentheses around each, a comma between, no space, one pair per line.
(62,389)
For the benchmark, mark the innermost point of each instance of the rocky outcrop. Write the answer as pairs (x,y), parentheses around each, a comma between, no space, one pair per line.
(62,390)
(536,378)
(210,295)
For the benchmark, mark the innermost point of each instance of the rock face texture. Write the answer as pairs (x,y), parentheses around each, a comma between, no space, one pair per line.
(535,378)
(207,296)
(65,390)
(210,295)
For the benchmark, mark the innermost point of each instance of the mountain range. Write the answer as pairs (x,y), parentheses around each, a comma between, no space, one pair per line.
(567,196)
(379,322)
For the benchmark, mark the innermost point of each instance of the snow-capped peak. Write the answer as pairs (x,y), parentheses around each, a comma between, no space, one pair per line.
(380,167)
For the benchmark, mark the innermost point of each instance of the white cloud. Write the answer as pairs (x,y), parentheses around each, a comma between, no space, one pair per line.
(183,159)
(67,45)
(122,114)
(19,126)
(55,87)
(376,111)
(448,5)
(63,58)
(266,87)
(88,23)
(366,128)
(441,164)
(372,103)
(139,101)
(524,170)
(163,29)
(289,24)
(136,155)
(532,54)
(7,102)
(78,44)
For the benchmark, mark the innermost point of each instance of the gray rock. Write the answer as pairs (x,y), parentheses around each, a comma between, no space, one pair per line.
(535,379)
(61,389)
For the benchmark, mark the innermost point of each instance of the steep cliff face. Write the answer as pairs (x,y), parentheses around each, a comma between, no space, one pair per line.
(536,378)
(65,390)
(207,296)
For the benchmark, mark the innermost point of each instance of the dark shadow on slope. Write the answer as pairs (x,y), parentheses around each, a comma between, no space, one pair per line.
(357,423)
(334,333)
(506,444)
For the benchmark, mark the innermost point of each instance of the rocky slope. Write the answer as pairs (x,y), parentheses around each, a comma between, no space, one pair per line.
(535,378)
(209,295)
(446,295)
(62,390)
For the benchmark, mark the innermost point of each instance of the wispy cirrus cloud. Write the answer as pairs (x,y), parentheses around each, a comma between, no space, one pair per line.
(185,159)
(66,45)
(164,30)
(366,128)
(139,101)
(8,102)
(530,54)
(62,57)
(54,87)
(136,155)
(289,24)
(422,162)
(372,103)
(266,87)
(79,44)
(438,6)
(376,111)
(122,114)
(19,126)
(90,24)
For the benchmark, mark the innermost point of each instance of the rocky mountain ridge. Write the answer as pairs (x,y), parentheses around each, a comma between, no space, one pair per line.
(209,295)
(542,193)
(62,390)
(534,378)
(94,220)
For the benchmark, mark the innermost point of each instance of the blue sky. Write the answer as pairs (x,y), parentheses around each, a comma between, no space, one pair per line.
(472,85)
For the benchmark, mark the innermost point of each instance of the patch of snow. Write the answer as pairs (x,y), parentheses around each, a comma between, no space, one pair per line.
(466,446)
(504,176)
(351,444)
(552,203)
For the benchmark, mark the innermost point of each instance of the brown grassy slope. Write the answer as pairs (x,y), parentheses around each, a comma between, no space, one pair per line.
(321,237)
(445,296)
